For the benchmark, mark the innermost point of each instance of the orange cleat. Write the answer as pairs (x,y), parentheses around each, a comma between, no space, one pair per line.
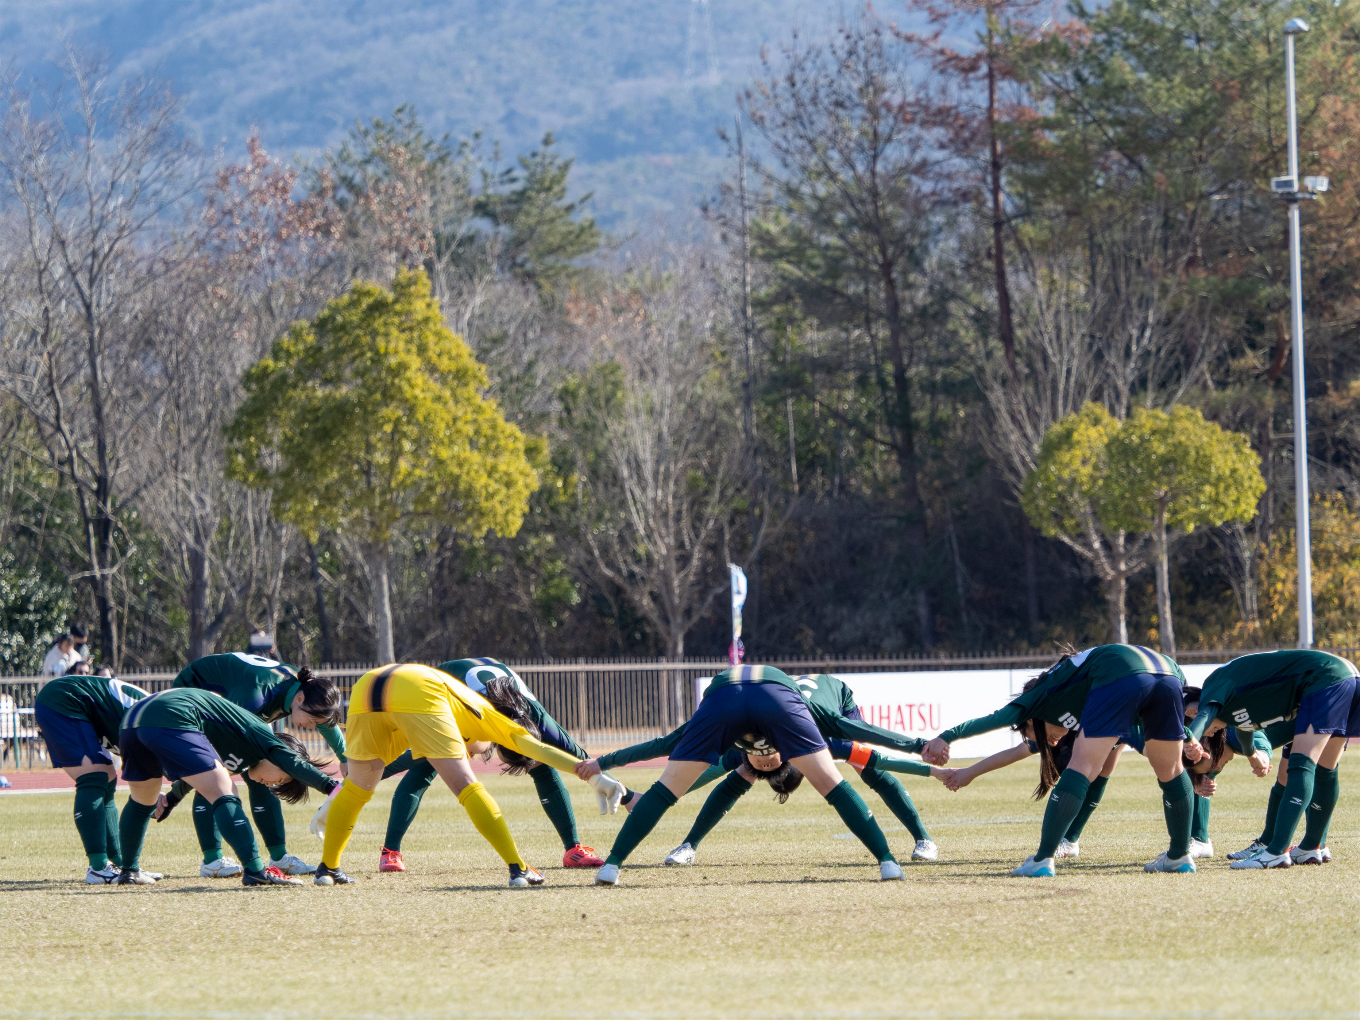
(581,857)
(391,861)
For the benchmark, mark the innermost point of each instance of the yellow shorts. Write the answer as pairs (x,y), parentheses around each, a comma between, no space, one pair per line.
(386,735)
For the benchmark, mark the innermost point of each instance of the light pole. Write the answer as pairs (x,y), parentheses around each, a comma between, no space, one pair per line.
(1288,189)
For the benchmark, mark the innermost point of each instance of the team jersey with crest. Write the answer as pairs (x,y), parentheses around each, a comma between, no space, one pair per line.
(101,700)
(240,739)
(1262,690)
(1060,696)
(259,685)
(829,702)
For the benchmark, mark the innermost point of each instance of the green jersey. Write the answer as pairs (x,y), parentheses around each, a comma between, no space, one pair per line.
(476,672)
(259,685)
(753,675)
(1259,691)
(829,701)
(1060,695)
(240,739)
(100,700)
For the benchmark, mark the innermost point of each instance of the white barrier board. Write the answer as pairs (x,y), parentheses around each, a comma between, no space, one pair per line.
(922,704)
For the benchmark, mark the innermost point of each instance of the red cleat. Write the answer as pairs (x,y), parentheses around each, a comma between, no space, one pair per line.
(391,861)
(581,857)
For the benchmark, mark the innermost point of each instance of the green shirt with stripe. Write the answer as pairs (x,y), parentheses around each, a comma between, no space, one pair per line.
(240,739)
(100,700)
(1059,697)
(1263,690)
(259,685)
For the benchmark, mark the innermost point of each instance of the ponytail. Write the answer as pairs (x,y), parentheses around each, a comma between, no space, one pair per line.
(320,697)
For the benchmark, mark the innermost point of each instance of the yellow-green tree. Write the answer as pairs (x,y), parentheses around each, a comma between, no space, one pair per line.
(1336,577)
(372,417)
(1178,472)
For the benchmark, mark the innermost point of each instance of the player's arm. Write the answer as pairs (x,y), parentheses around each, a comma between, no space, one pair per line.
(866,757)
(282,755)
(179,789)
(957,779)
(866,733)
(661,747)
(936,750)
(334,738)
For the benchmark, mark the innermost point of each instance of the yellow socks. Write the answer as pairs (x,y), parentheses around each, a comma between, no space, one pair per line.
(340,820)
(486,816)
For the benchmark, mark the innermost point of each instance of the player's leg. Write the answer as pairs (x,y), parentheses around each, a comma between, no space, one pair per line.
(215,863)
(1277,789)
(899,802)
(267,811)
(716,805)
(136,815)
(660,797)
(355,792)
(819,768)
(1321,806)
(406,800)
(75,748)
(556,803)
(1069,845)
(486,817)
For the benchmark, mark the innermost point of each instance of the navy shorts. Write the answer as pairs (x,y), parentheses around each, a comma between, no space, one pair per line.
(1155,699)
(773,711)
(1334,710)
(150,752)
(70,741)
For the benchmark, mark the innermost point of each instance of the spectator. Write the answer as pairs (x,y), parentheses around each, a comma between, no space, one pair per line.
(81,667)
(61,656)
(78,638)
(262,643)
(105,671)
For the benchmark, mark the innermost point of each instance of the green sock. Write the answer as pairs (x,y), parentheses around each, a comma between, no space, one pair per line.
(399,765)
(111,842)
(1298,794)
(552,794)
(132,831)
(1199,821)
(718,803)
(209,839)
(1318,817)
(1178,805)
(267,810)
(235,827)
(1064,804)
(406,801)
(1094,793)
(1272,812)
(91,791)
(899,802)
(640,821)
(858,819)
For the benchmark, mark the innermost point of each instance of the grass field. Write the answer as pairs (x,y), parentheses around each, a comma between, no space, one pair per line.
(781,917)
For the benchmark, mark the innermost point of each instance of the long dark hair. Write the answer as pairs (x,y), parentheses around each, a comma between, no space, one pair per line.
(320,696)
(783,780)
(504,693)
(1216,745)
(294,790)
(1050,767)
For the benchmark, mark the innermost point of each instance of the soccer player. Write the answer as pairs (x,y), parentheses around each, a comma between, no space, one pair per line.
(270,690)
(1320,693)
(762,711)
(838,719)
(201,737)
(79,718)
(410,707)
(552,792)
(1103,693)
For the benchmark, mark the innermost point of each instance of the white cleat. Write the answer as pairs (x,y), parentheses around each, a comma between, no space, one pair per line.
(1265,859)
(291,864)
(106,875)
(1318,855)
(1172,865)
(889,871)
(223,867)
(607,875)
(1068,848)
(925,850)
(683,854)
(1201,850)
(1251,851)
(1035,869)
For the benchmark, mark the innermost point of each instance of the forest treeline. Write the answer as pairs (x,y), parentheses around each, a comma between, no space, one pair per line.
(408,395)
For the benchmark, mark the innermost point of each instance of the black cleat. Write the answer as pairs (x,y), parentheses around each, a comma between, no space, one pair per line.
(134,876)
(269,876)
(330,876)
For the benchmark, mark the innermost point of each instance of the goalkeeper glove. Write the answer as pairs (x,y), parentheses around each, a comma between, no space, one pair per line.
(318,823)
(608,791)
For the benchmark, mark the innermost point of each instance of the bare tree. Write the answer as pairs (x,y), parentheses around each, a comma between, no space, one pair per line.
(91,177)
(661,463)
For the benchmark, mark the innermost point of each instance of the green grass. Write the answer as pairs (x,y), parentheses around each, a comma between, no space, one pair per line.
(780,918)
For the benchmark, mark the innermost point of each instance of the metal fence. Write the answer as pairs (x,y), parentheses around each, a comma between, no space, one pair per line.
(604,704)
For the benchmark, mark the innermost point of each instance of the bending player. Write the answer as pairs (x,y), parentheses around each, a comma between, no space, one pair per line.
(761,711)
(200,737)
(839,720)
(79,717)
(1104,693)
(1320,692)
(500,685)
(416,708)
(270,690)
